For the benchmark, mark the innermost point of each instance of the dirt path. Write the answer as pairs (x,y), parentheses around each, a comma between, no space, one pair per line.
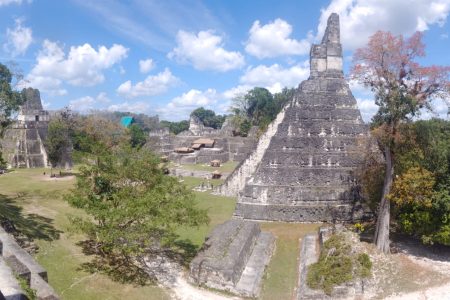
(171,276)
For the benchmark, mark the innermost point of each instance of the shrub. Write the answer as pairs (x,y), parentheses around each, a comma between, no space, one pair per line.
(337,264)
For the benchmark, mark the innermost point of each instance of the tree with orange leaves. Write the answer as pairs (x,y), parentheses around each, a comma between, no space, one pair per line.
(402,87)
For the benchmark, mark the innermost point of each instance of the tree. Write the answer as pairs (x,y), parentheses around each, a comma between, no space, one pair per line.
(137,136)
(10,100)
(175,127)
(57,142)
(208,117)
(402,87)
(134,210)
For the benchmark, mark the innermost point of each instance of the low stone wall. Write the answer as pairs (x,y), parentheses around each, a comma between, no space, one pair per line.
(14,261)
(294,213)
(233,258)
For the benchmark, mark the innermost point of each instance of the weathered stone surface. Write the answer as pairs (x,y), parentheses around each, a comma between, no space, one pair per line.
(11,248)
(305,173)
(15,260)
(24,141)
(233,258)
(309,254)
(9,286)
(18,268)
(250,283)
(43,290)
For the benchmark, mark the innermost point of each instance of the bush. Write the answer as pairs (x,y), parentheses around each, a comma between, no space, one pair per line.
(337,265)
(422,211)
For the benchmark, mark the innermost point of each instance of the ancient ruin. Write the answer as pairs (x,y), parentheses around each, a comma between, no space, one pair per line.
(207,144)
(302,167)
(16,262)
(233,258)
(24,141)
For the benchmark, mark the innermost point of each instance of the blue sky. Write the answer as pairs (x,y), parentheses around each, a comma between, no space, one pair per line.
(169,57)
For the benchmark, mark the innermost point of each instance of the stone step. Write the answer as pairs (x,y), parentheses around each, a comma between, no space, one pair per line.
(9,286)
(294,213)
(249,284)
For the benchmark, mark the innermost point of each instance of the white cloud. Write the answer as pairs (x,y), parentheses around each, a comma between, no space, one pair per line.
(273,40)
(18,39)
(180,107)
(136,107)
(7,2)
(151,86)
(146,65)
(205,52)
(82,66)
(87,103)
(361,18)
(367,107)
(82,104)
(275,77)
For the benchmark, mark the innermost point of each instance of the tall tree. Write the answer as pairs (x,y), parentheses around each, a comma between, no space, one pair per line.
(134,209)
(389,66)
(57,142)
(10,100)
(137,136)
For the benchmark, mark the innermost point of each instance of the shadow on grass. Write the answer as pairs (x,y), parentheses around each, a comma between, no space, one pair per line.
(134,271)
(32,226)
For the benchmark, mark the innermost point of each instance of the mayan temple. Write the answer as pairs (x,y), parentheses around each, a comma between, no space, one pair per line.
(25,139)
(302,167)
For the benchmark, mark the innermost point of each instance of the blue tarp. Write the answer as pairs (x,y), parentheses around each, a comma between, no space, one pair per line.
(126,121)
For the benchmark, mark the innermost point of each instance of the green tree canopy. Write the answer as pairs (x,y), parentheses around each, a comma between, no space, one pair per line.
(10,100)
(209,117)
(138,138)
(57,142)
(175,127)
(258,107)
(133,209)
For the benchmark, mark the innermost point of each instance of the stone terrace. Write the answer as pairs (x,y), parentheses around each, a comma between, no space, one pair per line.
(234,258)
(14,261)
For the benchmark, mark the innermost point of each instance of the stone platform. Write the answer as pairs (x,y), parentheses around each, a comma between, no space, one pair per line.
(14,261)
(233,258)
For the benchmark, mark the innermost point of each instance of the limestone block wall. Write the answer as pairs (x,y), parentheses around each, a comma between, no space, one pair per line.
(233,258)
(236,181)
(16,261)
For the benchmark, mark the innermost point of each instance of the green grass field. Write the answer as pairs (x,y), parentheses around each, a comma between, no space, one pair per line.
(35,204)
(229,166)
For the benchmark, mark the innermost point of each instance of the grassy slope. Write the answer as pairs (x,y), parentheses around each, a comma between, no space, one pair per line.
(62,258)
(46,212)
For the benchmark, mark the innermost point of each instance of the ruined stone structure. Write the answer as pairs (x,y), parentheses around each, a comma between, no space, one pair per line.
(226,146)
(233,258)
(14,261)
(303,166)
(24,141)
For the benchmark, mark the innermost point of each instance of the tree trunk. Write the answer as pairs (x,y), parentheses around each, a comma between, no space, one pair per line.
(382,229)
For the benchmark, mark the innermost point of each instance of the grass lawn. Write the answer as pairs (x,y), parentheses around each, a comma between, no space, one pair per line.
(35,204)
(229,166)
(281,276)
(219,209)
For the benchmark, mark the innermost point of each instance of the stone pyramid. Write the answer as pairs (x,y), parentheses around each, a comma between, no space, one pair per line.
(306,171)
